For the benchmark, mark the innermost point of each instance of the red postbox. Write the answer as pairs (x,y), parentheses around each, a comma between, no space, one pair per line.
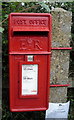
(29,61)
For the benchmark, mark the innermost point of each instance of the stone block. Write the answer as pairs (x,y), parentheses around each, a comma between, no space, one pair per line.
(61,27)
(59,71)
(58,94)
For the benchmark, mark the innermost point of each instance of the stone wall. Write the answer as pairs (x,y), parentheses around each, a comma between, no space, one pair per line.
(61,37)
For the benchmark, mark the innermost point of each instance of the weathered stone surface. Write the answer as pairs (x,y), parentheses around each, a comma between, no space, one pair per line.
(61,36)
(60,67)
(61,27)
(58,94)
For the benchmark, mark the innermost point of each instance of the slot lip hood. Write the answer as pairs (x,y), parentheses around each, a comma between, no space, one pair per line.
(19,29)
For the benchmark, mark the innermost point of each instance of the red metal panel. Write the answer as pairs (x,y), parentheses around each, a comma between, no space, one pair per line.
(29,34)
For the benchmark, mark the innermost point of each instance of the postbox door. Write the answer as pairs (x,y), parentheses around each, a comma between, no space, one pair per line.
(29,82)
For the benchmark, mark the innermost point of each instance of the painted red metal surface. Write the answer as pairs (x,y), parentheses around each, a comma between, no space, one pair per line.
(62,48)
(29,34)
(58,85)
(31,53)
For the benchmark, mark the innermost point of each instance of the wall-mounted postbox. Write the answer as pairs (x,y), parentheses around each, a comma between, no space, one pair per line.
(29,61)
